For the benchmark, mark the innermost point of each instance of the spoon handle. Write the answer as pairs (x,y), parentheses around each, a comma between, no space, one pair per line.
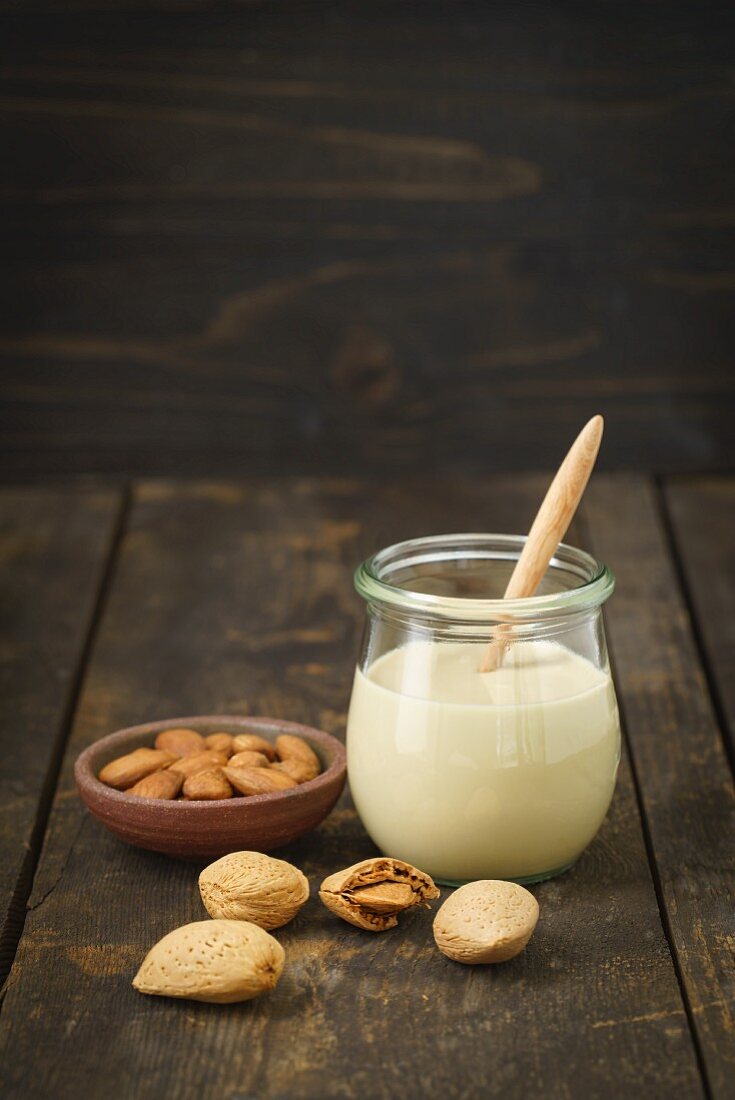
(550,525)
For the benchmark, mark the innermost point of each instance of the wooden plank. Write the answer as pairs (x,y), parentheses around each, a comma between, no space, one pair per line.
(678,757)
(539,125)
(352,351)
(238,598)
(54,547)
(702,513)
(339,249)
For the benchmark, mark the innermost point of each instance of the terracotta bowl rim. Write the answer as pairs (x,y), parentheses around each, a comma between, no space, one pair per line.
(86,778)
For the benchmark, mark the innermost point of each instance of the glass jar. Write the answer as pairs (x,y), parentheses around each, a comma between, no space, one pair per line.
(465,774)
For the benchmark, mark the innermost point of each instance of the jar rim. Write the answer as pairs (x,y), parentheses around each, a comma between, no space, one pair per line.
(372,586)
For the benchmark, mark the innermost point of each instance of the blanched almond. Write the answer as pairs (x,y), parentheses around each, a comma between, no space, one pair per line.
(127,770)
(180,742)
(207,786)
(165,784)
(258,780)
(198,762)
(252,742)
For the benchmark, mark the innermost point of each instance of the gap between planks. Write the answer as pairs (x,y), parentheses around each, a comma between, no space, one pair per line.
(583,526)
(18,908)
(697,971)
(685,588)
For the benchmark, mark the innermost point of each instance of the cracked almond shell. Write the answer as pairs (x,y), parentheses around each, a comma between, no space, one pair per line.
(220,961)
(254,887)
(352,894)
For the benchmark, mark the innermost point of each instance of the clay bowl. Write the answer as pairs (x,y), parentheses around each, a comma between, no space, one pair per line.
(204,830)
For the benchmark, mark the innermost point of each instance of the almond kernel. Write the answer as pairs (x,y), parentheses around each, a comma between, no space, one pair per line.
(163,784)
(207,786)
(198,762)
(253,743)
(127,770)
(180,742)
(258,780)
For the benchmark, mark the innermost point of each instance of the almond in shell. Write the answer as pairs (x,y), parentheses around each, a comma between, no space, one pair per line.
(220,961)
(253,886)
(488,921)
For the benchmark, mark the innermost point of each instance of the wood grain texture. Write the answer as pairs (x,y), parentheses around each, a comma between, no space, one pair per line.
(235,598)
(702,514)
(54,547)
(678,756)
(305,237)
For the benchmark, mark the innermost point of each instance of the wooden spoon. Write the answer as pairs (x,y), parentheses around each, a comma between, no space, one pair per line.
(549,527)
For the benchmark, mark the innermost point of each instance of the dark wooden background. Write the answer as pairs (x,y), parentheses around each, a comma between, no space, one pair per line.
(365,237)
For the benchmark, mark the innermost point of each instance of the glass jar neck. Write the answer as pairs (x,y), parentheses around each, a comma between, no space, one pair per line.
(459,580)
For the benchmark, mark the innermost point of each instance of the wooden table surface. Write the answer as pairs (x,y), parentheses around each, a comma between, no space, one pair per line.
(189,597)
